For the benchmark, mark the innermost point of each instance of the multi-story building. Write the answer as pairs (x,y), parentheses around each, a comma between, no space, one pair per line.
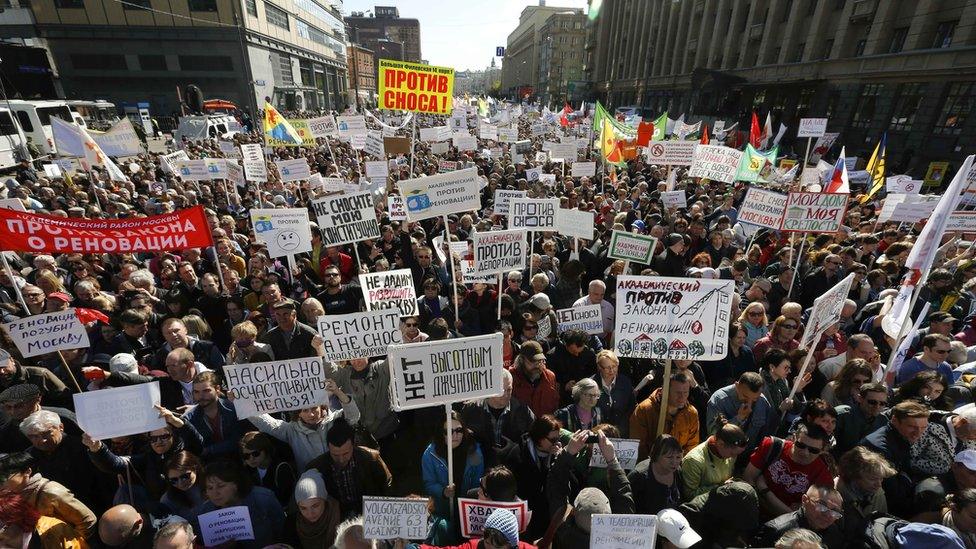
(561,57)
(386,24)
(869,66)
(520,70)
(292,51)
(362,75)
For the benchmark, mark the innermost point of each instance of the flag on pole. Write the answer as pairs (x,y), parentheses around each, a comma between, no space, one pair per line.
(767,131)
(876,167)
(755,134)
(891,373)
(838,181)
(276,127)
(660,127)
(564,117)
(704,137)
(779,134)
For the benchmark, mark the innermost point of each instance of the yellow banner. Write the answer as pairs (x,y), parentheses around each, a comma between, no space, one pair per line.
(414,87)
(301,126)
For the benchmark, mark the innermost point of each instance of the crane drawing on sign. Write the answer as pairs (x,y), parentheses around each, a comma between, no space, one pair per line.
(693,309)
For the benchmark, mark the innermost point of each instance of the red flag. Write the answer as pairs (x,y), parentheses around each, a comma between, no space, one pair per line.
(90,315)
(644,132)
(564,118)
(755,134)
(704,138)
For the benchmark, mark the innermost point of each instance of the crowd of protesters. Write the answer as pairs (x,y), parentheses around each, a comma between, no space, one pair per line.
(846,462)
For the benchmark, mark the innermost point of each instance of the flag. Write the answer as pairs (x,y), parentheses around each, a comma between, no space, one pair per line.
(876,167)
(660,127)
(609,145)
(276,127)
(482,107)
(644,132)
(767,131)
(755,166)
(755,137)
(704,137)
(779,134)
(74,141)
(838,181)
(90,315)
(564,118)
(889,374)
(922,256)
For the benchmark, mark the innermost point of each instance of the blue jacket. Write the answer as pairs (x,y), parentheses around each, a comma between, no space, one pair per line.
(232,429)
(726,401)
(435,477)
(267,517)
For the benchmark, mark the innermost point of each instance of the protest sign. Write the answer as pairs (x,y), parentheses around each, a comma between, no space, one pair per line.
(902,184)
(414,87)
(664,317)
(285,231)
(445,371)
(377,169)
(52,171)
(227,524)
(670,153)
(548,179)
(254,167)
(359,335)
(499,251)
(229,149)
(444,166)
(812,127)
(350,126)
(632,247)
(618,531)
(475,512)
(715,162)
(389,290)
(276,386)
(912,212)
(533,174)
(503,199)
(574,223)
(118,412)
(465,143)
(814,212)
(469,276)
(674,199)
(374,146)
(533,214)
(564,152)
(323,126)
(30,232)
(762,208)
(488,132)
(303,131)
(588,318)
(47,333)
(168,161)
(396,207)
(346,218)
(935,174)
(892,201)
(625,448)
(12,204)
(191,170)
(437,133)
(822,146)
(826,311)
(394,518)
(293,170)
(119,141)
(235,174)
(441,194)
(337,185)
(507,135)
(583,169)
(961,222)
(396,145)
(216,167)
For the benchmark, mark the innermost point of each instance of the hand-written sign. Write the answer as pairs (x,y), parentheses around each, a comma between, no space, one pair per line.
(574,223)
(814,212)
(962,222)
(396,207)
(276,386)
(346,218)
(678,318)
(503,199)
(47,333)
(359,335)
(533,214)
(588,318)
(583,169)
(439,372)
(625,448)
(119,412)
(762,208)
(390,290)
(632,247)
(826,311)
(715,162)
(623,531)
(227,524)
(812,127)
(499,251)
(394,518)
(674,199)
(474,513)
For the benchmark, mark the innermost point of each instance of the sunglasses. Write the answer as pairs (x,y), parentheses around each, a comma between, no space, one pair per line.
(159,438)
(834,514)
(457,431)
(874,402)
(185,477)
(789,326)
(807,447)
(941,351)
(249,455)
(330,275)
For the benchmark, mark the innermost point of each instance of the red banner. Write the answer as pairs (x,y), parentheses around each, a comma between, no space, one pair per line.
(29,232)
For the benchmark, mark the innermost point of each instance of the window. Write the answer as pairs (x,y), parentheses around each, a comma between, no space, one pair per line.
(322,14)
(252,7)
(955,109)
(909,98)
(803,102)
(276,16)
(152,62)
(44,114)
(859,48)
(943,34)
(136,5)
(104,62)
(281,69)
(203,5)
(318,36)
(305,68)
(25,121)
(206,63)
(898,39)
(7,124)
(798,55)
(867,102)
(63,4)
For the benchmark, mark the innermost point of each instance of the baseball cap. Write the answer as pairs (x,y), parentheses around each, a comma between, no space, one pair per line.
(673,239)
(61,296)
(532,350)
(967,458)
(675,528)
(941,316)
(590,501)
(540,301)
(918,535)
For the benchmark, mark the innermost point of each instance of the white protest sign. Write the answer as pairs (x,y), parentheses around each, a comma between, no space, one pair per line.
(394,518)
(276,386)
(632,247)
(15,204)
(229,149)
(466,143)
(814,212)
(227,524)
(588,318)
(623,531)
(444,166)
(216,167)
(625,448)
(826,311)
(47,333)
(469,276)
(903,184)
(377,169)
(346,218)
(488,132)
(822,146)
(912,212)
(499,251)
(583,169)
(961,222)
(533,174)
(293,170)
(350,126)
(192,170)
(52,171)
(507,135)
(503,199)
(359,335)
(168,161)
(255,168)
(548,179)
(396,207)
(715,162)
(664,317)
(335,185)
(670,153)
(390,290)
(285,231)
(374,146)
(474,513)
(442,194)
(565,152)
(533,214)
(812,127)
(235,174)
(445,371)
(575,223)
(674,199)
(120,411)
(437,133)
(323,126)
(762,208)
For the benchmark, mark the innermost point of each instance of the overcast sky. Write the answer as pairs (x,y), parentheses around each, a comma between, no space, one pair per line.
(460,33)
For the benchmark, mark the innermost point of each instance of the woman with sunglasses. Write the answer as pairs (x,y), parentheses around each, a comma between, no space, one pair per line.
(775,370)
(849,379)
(783,336)
(469,467)
(753,320)
(267,470)
(183,470)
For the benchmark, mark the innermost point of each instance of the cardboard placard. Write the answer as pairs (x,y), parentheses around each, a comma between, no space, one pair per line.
(119,411)
(762,208)
(625,448)
(503,198)
(442,194)
(346,218)
(415,87)
(396,207)
(674,199)
(814,212)
(359,335)
(293,170)
(533,214)
(390,290)
(276,386)
(393,518)
(499,251)
(474,513)
(615,531)
(632,247)
(670,153)
(285,231)
(48,333)
(715,162)
(583,169)
(812,127)
(575,223)
(227,524)
(588,318)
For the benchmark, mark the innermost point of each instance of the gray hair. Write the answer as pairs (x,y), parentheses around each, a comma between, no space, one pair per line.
(598,284)
(171,529)
(39,421)
(513,274)
(84,285)
(799,538)
(44,259)
(351,527)
(582,385)
(142,277)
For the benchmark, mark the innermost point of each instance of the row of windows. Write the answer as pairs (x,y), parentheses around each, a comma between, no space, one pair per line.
(194,5)
(114,62)
(276,16)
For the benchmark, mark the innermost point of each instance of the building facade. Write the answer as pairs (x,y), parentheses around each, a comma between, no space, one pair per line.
(869,66)
(561,58)
(386,24)
(292,51)
(362,75)
(521,66)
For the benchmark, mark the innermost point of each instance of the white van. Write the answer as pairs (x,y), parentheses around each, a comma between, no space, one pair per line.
(9,139)
(212,126)
(35,119)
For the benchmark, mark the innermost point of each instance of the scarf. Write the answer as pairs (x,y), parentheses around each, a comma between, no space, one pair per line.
(322,532)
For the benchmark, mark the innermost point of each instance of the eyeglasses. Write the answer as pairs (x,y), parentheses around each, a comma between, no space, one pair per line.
(832,513)
(457,431)
(591,395)
(330,275)
(249,455)
(159,438)
(755,313)
(185,477)
(875,402)
(807,447)
(789,326)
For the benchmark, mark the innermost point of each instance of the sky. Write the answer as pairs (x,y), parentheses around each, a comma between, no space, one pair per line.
(460,33)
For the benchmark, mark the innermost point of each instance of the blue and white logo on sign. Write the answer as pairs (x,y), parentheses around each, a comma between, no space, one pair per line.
(500,51)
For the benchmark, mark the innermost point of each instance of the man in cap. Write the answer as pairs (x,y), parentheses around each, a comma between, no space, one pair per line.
(290,338)
(820,509)
(20,401)
(673,527)
(671,262)
(53,391)
(532,383)
(56,301)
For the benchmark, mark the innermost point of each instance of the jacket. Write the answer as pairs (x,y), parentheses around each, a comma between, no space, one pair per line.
(52,499)
(725,401)
(306,443)
(51,533)
(232,429)
(853,425)
(562,492)
(204,352)
(267,517)
(569,417)
(372,396)
(898,489)
(70,466)
(435,476)
(702,470)
(299,347)
(530,479)
(372,474)
(53,391)
(772,530)
(683,426)
(541,395)
(616,404)
(514,422)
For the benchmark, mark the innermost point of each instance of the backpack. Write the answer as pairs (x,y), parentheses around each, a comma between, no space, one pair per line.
(775,450)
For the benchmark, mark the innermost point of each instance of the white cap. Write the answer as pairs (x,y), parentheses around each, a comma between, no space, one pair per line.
(674,527)
(124,363)
(967,458)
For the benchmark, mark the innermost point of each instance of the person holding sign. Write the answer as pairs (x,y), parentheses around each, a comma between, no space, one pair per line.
(501,531)
(227,486)
(469,466)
